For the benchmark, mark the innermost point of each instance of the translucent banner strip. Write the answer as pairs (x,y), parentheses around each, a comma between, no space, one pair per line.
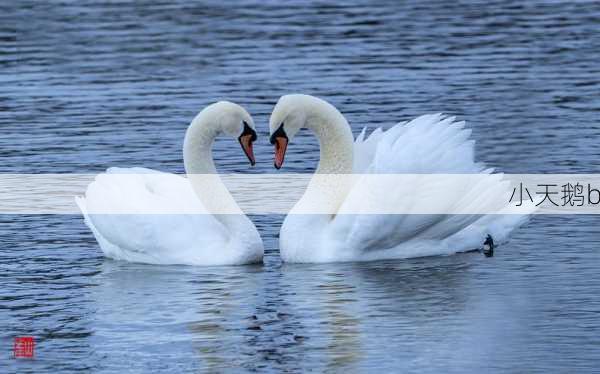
(119,192)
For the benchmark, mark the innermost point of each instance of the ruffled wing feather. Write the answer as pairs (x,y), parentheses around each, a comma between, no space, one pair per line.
(429,144)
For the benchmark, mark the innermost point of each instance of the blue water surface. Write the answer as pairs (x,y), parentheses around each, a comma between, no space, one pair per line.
(88,84)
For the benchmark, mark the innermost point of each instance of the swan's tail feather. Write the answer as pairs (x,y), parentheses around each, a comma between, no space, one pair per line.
(108,249)
(81,203)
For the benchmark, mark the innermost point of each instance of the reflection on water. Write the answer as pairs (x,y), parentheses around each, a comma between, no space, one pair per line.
(178,310)
(465,311)
(87,85)
(230,317)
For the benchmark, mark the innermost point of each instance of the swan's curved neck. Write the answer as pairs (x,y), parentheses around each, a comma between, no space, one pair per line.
(335,137)
(327,190)
(197,145)
(200,167)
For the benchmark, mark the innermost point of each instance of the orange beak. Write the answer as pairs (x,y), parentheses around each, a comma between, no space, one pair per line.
(280,140)
(246,139)
(280,148)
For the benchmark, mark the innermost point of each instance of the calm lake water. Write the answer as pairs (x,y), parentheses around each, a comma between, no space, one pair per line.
(87,85)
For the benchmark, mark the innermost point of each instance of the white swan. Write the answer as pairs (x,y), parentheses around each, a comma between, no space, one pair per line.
(428,144)
(193,239)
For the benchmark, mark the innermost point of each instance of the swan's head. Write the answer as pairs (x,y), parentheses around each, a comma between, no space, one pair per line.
(233,120)
(287,118)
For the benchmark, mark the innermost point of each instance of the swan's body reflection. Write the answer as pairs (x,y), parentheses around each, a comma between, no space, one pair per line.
(321,317)
(360,310)
(169,311)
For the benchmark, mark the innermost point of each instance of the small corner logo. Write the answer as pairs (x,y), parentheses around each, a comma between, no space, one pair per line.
(23,347)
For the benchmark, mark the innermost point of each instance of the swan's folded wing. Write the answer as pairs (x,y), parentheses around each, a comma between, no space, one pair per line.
(430,144)
(131,222)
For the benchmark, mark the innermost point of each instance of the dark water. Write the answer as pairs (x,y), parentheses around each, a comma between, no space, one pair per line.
(87,85)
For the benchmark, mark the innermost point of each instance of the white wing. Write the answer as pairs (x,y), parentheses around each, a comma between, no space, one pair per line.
(429,144)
